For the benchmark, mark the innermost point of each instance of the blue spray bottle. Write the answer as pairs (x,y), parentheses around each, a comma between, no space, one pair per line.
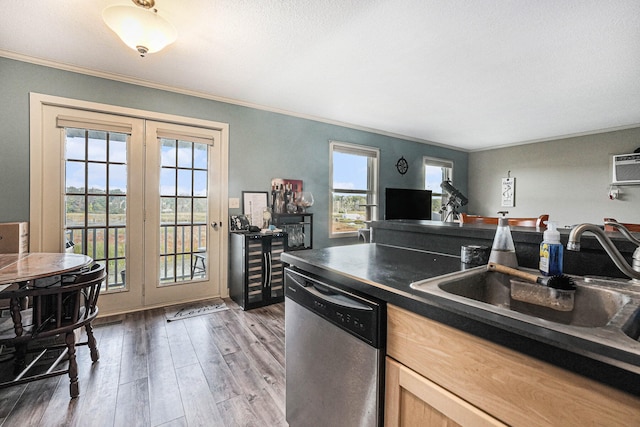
(551,251)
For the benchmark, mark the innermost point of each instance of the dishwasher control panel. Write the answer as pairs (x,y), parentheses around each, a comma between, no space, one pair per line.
(352,313)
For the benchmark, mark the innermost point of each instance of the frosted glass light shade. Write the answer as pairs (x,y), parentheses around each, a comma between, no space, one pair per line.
(141,29)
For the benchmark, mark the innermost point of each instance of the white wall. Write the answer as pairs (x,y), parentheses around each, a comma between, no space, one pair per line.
(568,178)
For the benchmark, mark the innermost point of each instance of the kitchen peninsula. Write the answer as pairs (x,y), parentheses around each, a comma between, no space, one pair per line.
(515,374)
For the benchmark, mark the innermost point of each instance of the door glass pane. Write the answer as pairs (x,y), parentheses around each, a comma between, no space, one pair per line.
(199,183)
(75,210)
(75,144)
(96,177)
(183,211)
(185,150)
(184,182)
(117,179)
(75,177)
(168,152)
(96,199)
(167,182)
(97,146)
(117,210)
(97,210)
(200,156)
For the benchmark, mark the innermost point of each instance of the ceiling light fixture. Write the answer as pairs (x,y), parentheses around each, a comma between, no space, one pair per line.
(140,27)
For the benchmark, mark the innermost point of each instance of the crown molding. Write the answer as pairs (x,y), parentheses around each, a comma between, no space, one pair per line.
(146,83)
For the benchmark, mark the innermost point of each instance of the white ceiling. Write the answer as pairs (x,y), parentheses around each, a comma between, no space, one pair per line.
(470,74)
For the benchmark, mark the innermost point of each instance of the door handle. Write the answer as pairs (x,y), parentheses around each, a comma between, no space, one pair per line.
(215,225)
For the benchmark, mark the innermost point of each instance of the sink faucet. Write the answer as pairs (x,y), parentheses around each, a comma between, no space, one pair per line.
(631,271)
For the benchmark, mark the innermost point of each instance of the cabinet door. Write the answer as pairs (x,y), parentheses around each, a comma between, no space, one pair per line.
(255,277)
(276,281)
(413,400)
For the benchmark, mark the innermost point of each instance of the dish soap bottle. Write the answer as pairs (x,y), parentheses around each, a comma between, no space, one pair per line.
(503,250)
(551,251)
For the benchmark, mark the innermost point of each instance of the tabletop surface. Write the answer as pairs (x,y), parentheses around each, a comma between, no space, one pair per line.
(35,265)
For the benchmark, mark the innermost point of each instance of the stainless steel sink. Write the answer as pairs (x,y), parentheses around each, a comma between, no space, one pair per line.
(604,311)
(593,307)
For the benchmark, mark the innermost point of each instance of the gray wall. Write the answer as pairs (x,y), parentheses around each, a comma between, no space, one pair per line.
(262,146)
(568,178)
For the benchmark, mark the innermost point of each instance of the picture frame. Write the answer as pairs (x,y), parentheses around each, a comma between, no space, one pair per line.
(296,184)
(238,223)
(508,192)
(253,205)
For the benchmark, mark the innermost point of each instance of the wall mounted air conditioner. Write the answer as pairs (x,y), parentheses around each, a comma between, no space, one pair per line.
(626,169)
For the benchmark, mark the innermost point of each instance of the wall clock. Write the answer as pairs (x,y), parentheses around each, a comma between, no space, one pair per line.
(402,165)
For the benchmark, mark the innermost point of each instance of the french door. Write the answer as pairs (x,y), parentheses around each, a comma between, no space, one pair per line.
(143,197)
(182,194)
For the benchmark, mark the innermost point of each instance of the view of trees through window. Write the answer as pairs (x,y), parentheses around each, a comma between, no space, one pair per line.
(354,187)
(183,208)
(96,199)
(96,203)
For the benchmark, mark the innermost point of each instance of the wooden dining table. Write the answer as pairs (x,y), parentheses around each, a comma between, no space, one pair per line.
(19,268)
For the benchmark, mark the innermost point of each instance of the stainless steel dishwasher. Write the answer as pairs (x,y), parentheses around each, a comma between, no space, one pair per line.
(334,349)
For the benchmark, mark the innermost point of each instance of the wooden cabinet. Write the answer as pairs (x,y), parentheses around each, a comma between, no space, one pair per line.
(413,400)
(438,375)
(256,273)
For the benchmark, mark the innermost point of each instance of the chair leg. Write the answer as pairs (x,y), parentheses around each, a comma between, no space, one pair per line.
(19,363)
(91,341)
(74,388)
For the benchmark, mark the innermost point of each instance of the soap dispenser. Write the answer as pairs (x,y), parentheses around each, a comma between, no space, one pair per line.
(551,251)
(503,250)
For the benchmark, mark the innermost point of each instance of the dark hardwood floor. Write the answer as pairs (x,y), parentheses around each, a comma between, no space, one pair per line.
(221,369)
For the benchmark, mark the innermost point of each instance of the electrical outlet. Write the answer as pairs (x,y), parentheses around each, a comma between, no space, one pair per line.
(234,203)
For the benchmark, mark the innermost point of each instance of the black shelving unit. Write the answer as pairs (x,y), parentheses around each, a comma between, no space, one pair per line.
(299,227)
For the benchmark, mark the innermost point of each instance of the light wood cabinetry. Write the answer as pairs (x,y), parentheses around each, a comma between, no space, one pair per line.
(413,400)
(438,375)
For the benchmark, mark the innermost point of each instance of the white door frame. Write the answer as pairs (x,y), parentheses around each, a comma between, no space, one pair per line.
(41,239)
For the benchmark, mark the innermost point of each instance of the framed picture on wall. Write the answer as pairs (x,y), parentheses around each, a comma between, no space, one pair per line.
(296,184)
(253,205)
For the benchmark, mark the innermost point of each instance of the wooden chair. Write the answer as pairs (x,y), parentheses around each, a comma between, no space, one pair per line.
(538,222)
(57,309)
(629,226)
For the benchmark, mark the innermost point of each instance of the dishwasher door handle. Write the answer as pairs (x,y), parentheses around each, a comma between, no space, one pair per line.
(338,299)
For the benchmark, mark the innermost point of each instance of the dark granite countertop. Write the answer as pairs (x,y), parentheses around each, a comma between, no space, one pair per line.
(447,237)
(385,272)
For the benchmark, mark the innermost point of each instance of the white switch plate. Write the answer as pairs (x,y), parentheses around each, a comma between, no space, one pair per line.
(234,202)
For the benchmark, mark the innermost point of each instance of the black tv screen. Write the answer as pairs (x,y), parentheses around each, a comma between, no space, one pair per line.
(405,203)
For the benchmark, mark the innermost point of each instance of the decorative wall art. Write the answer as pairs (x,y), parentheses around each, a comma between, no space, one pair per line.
(253,205)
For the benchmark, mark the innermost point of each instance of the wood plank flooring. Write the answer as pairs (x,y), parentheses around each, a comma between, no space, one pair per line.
(221,369)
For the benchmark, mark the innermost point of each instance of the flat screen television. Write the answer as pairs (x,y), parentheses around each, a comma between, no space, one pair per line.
(405,203)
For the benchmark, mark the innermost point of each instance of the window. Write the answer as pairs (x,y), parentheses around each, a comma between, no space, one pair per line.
(183,208)
(354,187)
(96,199)
(436,171)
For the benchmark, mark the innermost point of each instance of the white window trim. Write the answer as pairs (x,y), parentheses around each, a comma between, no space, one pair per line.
(373,152)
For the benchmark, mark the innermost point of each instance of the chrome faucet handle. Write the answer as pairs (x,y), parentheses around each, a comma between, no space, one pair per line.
(624,230)
(631,271)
